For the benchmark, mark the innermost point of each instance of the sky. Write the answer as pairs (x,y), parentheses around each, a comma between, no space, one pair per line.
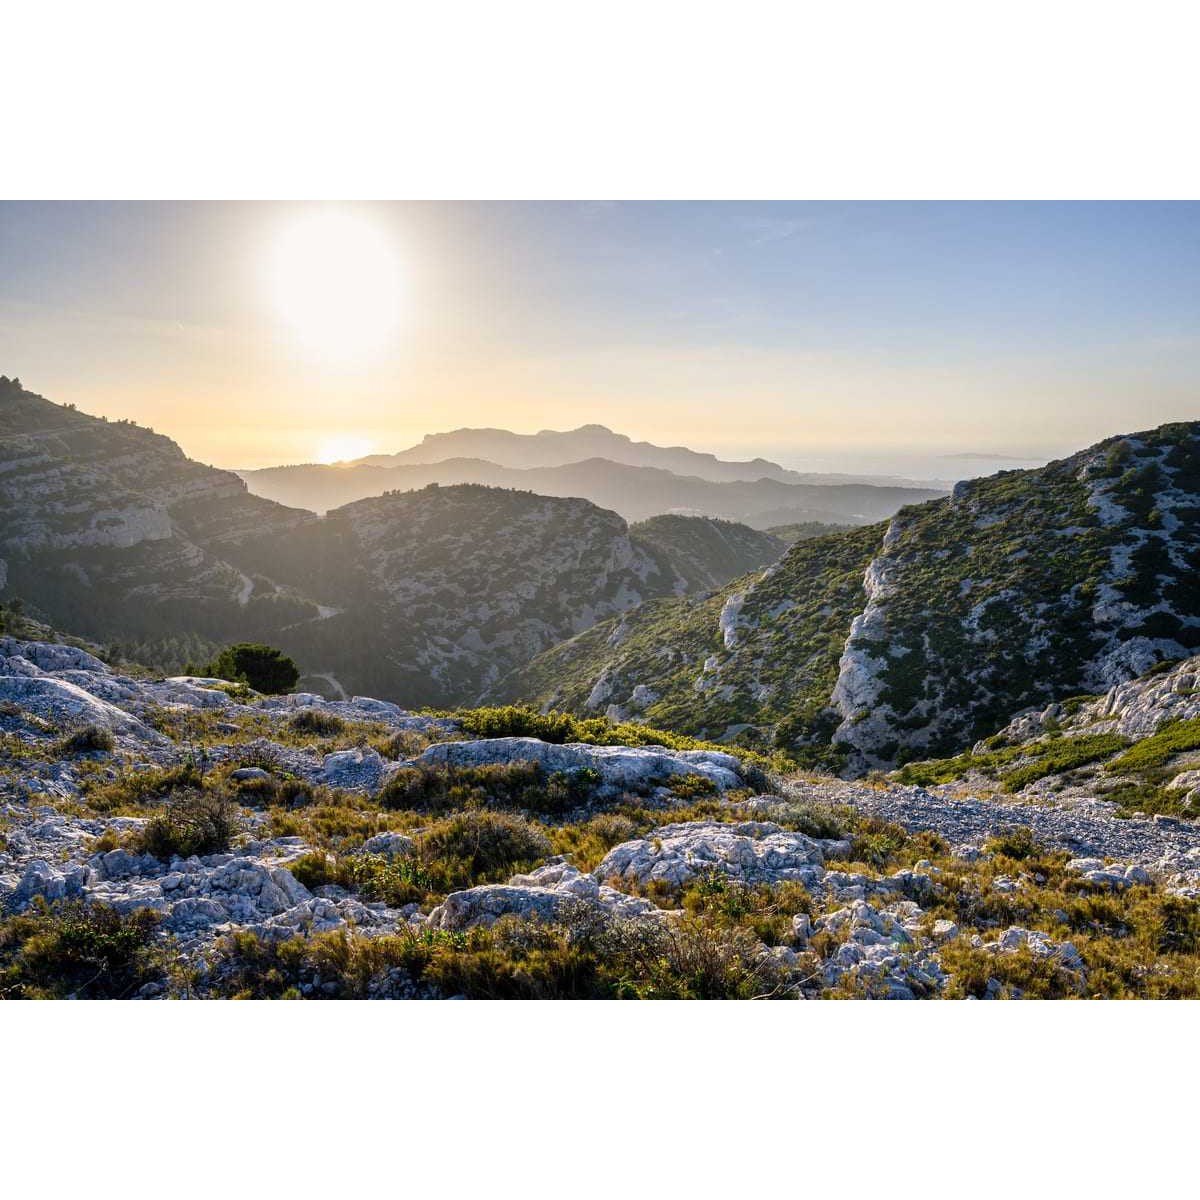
(858,336)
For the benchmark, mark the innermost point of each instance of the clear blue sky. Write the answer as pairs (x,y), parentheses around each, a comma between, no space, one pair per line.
(868,334)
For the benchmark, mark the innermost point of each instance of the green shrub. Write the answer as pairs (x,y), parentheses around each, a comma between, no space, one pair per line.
(1016,843)
(263,668)
(483,845)
(90,951)
(192,822)
(1176,737)
(91,739)
(575,959)
(522,785)
(137,788)
(317,722)
(1063,754)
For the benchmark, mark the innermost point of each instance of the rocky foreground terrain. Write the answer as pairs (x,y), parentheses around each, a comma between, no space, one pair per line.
(187,837)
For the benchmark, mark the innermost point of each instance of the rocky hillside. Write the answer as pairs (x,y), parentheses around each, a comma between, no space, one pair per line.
(111,531)
(923,634)
(1137,746)
(183,837)
(110,527)
(433,595)
(707,552)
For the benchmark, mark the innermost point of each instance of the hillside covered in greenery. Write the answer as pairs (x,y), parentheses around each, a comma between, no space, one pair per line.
(923,634)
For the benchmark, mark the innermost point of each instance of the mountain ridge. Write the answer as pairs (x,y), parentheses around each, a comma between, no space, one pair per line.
(638,493)
(923,633)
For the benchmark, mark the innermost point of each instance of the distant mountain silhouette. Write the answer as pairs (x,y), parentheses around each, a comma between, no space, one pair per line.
(555,448)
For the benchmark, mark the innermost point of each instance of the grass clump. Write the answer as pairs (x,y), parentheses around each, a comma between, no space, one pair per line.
(191,823)
(485,844)
(579,958)
(459,851)
(86,951)
(1016,843)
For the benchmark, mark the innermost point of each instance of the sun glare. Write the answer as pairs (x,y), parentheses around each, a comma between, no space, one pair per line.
(342,448)
(334,280)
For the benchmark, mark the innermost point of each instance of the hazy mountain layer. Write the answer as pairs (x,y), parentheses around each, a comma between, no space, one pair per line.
(923,634)
(112,531)
(636,492)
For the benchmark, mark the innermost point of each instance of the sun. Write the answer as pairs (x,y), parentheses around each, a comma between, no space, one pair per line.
(343,447)
(333,278)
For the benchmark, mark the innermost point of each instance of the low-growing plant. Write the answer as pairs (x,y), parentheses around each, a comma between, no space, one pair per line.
(1016,843)
(190,823)
(88,951)
(1063,754)
(317,722)
(90,739)
(134,789)
(1175,737)
(524,785)
(484,845)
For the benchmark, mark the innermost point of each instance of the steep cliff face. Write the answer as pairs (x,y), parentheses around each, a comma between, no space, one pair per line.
(919,636)
(111,529)
(1022,588)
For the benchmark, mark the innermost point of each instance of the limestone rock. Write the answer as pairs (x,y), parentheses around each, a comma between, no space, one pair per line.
(751,852)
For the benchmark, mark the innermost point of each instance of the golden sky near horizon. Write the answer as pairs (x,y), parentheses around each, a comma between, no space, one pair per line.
(817,335)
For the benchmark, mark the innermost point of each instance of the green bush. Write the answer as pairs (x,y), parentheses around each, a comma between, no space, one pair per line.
(509,785)
(1063,754)
(263,668)
(472,846)
(581,958)
(317,722)
(192,822)
(89,951)
(138,788)
(91,739)
(1016,843)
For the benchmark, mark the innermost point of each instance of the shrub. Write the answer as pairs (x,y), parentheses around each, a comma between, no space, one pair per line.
(314,721)
(91,739)
(1016,843)
(142,787)
(192,822)
(473,846)
(90,951)
(876,843)
(582,957)
(261,667)
(392,881)
(510,785)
